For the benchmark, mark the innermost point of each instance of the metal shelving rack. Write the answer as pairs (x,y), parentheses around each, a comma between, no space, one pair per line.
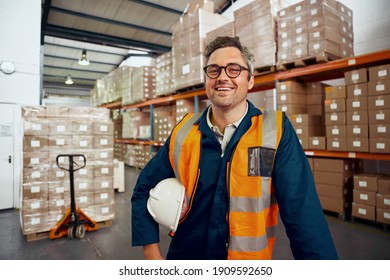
(313,73)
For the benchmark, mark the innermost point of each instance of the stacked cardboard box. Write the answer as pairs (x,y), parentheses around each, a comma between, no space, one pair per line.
(125,84)
(138,155)
(365,189)
(255,24)
(291,97)
(136,125)
(306,126)
(188,43)
(379,108)
(143,83)
(48,132)
(164,121)
(314,27)
(334,183)
(356,113)
(164,74)
(224,30)
(184,106)
(335,118)
(315,99)
(383,200)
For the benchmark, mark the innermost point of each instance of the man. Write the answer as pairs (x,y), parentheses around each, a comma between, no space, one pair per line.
(239,165)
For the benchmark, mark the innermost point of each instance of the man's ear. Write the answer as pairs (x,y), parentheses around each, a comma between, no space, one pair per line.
(251,81)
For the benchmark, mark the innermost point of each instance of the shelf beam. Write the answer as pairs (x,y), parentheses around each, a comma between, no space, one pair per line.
(356,155)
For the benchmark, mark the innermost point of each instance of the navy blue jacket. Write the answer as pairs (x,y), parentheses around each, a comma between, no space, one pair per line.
(204,234)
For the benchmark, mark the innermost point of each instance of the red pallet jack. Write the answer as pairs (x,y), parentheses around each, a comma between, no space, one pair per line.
(74,222)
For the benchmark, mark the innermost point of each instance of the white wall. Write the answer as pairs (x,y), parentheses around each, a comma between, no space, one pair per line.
(20,29)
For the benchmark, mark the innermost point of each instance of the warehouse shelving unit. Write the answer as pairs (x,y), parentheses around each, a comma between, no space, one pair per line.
(312,73)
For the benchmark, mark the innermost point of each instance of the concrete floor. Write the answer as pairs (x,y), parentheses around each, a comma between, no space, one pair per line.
(357,240)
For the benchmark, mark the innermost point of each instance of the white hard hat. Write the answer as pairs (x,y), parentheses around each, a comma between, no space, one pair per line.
(165,202)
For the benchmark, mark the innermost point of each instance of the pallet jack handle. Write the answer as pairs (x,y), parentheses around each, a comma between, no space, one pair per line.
(71,170)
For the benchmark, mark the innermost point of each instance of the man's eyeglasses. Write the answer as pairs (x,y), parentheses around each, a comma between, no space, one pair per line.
(232,70)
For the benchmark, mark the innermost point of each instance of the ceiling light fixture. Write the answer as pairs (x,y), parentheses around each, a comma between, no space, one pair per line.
(69,80)
(84,60)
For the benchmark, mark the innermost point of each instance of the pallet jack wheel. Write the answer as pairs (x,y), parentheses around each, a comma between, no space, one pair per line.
(70,232)
(80,231)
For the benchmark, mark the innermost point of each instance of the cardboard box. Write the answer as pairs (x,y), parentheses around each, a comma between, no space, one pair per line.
(317,143)
(383,201)
(384,184)
(35,143)
(362,211)
(383,215)
(35,127)
(336,131)
(335,105)
(291,98)
(366,181)
(60,127)
(290,86)
(379,72)
(357,90)
(379,102)
(379,130)
(332,178)
(336,144)
(356,76)
(35,159)
(339,192)
(358,144)
(381,116)
(357,131)
(333,92)
(336,165)
(35,190)
(380,145)
(364,197)
(335,118)
(293,108)
(356,104)
(357,117)
(334,204)
(379,87)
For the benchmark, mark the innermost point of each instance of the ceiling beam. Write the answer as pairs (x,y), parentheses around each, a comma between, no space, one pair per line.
(80,49)
(110,21)
(156,6)
(75,69)
(73,59)
(88,36)
(45,16)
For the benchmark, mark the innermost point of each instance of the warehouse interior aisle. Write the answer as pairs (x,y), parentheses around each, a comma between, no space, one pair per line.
(355,240)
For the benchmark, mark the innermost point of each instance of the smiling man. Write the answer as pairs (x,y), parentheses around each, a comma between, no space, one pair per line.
(239,166)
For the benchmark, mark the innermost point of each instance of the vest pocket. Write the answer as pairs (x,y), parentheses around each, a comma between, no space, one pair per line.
(260,161)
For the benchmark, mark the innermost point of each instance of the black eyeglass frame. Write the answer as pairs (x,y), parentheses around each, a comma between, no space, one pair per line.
(224,67)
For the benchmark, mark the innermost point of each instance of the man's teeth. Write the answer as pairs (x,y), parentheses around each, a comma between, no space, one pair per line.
(223,89)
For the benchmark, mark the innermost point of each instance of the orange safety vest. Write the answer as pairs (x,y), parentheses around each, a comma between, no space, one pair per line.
(253,211)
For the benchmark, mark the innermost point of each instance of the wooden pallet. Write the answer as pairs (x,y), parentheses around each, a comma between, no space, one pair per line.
(190,88)
(342,215)
(45,234)
(322,57)
(379,225)
(264,70)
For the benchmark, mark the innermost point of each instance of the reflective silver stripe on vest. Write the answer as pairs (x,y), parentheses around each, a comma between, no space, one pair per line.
(269,129)
(179,140)
(253,204)
(251,244)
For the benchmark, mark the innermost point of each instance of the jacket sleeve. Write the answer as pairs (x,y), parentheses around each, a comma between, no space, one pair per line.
(144,229)
(300,208)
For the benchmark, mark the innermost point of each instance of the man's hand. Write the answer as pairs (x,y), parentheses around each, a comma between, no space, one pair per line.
(152,252)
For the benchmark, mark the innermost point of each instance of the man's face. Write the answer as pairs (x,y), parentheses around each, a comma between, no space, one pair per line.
(225,92)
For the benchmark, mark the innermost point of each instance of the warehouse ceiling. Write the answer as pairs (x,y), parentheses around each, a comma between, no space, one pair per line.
(109,32)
